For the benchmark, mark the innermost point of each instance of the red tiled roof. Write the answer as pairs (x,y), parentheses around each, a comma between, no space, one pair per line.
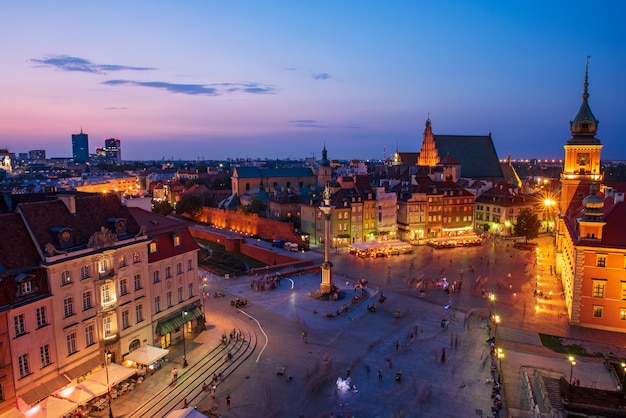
(162,230)
(17,248)
(92,213)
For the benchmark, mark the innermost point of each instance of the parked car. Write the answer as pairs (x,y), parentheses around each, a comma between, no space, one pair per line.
(278,243)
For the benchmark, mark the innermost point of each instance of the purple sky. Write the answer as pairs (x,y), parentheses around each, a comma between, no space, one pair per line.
(266,79)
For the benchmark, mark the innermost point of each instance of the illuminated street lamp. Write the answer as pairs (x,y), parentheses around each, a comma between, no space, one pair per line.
(496,321)
(624,374)
(571,370)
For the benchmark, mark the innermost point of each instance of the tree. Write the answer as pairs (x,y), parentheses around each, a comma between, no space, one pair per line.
(258,207)
(527,225)
(162,208)
(189,204)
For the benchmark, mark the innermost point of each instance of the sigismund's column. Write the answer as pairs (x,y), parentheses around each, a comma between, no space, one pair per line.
(327,267)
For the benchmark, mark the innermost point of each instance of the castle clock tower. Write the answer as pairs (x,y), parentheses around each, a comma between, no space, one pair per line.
(581,167)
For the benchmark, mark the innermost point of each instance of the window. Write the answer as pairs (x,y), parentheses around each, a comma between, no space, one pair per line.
(623,290)
(23,365)
(137,280)
(40,313)
(107,326)
(598,288)
(26,287)
(18,322)
(177,240)
(180,294)
(71,343)
(87,300)
(106,293)
(597,311)
(622,314)
(44,355)
(103,266)
(601,260)
(136,258)
(179,268)
(169,299)
(139,313)
(68,307)
(157,304)
(122,261)
(89,335)
(189,265)
(153,247)
(84,272)
(190,290)
(123,287)
(168,272)
(125,323)
(155,277)
(66,278)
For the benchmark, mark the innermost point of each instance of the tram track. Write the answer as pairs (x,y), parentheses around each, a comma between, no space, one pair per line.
(189,384)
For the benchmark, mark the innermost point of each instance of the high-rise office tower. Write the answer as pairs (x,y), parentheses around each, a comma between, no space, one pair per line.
(113,150)
(80,147)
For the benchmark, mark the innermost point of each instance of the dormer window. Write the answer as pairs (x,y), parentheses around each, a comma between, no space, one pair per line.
(64,236)
(177,240)
(119,225)
(25,284)
(153,247)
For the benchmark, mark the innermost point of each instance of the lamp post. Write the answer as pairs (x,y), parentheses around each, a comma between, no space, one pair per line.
(571,370)
(496,321)
(499,356)
(623,375)
(107,359)
(184,348)
(204,285)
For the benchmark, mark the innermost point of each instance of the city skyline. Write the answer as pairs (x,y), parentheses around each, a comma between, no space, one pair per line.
(272,80)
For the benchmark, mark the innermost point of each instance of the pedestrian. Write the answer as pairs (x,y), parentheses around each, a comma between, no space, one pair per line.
(174,374)
(213,391)
(397,345)
(380,375)
(228,401)
(304,337)
(186,404)
(443,355)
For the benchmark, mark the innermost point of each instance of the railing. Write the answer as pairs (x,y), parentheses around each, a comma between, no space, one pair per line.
(107,306)
(106,274)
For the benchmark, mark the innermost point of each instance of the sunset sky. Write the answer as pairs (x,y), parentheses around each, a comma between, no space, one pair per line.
(279,79)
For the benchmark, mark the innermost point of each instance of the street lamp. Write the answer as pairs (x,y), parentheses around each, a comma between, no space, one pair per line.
(624,374)
(204,285)
(499,356)
(496,321)
(107,359)
(571,370)
(184,348)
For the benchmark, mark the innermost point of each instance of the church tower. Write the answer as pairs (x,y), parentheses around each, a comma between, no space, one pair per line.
(429,156)
(324,173)
(581,167)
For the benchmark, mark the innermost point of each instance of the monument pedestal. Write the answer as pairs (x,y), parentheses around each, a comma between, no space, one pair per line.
(327,278)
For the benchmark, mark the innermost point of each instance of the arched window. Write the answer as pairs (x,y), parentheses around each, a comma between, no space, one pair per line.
(134,344)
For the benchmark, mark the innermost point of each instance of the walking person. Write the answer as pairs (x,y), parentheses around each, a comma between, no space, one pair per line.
(228,401)
(380,375)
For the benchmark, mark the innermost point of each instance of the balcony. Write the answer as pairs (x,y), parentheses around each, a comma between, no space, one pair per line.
(107,306)
(106,274)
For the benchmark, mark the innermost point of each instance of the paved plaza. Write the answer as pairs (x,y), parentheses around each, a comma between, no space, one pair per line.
(445,371)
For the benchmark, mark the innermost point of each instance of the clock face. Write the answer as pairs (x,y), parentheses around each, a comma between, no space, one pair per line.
(583,158)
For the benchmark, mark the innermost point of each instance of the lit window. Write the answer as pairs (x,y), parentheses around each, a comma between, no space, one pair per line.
(153,247)
(122,261)
(65,278)
(598,288)
(136,258)
(623,290)
(622,314)
(177,240)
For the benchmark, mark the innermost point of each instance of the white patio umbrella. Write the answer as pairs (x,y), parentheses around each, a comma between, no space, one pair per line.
(51,407)
(83,392)
(146,354)
(117,373)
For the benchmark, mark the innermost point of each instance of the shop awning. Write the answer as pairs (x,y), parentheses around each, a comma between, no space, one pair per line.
(177,319)
(84,368)
(43,390)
